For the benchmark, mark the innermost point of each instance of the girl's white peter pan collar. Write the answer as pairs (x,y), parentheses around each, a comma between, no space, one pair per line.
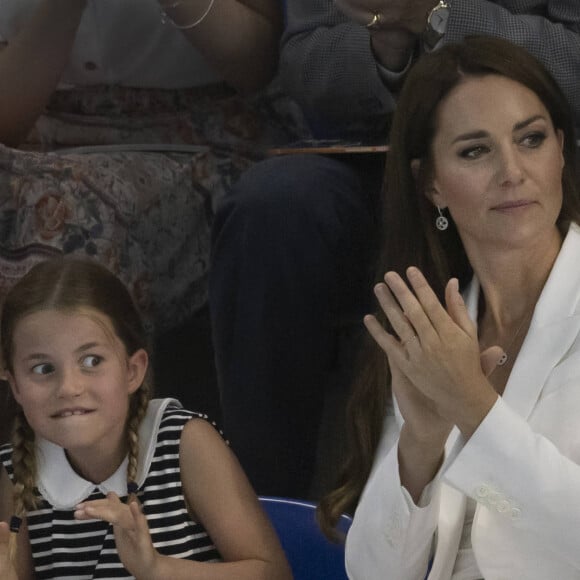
(63,488)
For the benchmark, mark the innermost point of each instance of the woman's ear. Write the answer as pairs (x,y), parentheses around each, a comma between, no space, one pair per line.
(429,189)
(9,378)
(433,195)
(137,369)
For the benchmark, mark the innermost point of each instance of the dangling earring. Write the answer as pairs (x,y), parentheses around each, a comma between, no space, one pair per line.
(442,223)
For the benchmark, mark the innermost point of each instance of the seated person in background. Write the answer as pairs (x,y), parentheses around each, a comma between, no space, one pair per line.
(133,75)
(293,241)
(100,481)
(467,407)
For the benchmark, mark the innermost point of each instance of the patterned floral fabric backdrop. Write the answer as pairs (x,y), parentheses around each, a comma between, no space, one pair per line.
(138,188)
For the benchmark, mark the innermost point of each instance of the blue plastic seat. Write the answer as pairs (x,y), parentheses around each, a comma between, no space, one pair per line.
(311,555)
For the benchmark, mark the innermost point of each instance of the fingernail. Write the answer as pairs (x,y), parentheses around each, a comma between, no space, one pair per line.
(390,277)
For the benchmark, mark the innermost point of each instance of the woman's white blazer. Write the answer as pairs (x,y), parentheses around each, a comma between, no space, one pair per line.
(522,466)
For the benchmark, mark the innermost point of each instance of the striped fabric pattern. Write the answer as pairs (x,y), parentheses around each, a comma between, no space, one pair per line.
(63,547)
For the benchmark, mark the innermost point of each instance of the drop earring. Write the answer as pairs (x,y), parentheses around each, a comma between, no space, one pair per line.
(441,223)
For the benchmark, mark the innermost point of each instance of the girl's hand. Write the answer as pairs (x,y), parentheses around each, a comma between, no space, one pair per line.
(7,570)
(136,551)
(438,350)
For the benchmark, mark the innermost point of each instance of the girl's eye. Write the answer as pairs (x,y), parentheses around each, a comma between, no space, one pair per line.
(43,369)
(91,361)
(533,140)
(473,152)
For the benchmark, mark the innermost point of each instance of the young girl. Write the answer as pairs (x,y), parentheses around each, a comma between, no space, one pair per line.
(99,481)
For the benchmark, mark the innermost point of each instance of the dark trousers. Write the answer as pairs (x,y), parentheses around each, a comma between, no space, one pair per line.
(292,250)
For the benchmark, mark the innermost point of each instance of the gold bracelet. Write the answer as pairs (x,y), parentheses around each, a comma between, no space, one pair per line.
(165,17)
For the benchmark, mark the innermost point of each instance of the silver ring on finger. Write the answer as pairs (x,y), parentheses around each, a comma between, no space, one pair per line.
(410,339)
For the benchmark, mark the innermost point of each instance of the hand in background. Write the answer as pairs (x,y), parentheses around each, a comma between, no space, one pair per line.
(397,31)
(410,15)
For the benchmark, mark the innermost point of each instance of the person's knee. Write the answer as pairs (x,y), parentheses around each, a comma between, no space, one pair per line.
(303,186)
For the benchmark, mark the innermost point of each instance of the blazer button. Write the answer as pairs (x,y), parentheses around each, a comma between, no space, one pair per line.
(482,491)
(502,506)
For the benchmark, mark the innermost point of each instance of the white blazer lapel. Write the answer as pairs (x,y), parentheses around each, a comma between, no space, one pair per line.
(554,326)
(556,315)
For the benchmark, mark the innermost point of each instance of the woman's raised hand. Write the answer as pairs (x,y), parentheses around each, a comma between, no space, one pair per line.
(418,410)
(436,350)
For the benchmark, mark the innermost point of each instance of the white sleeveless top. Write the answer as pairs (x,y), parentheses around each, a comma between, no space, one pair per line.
(122,42)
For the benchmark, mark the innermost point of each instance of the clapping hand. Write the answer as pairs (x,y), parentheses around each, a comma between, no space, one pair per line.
(439,375)
(132,537)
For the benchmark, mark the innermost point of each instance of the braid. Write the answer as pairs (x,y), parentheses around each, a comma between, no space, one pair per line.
(24,467)
(137,410)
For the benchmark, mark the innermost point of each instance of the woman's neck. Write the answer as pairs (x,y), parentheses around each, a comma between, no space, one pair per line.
(511,283)
(512,280)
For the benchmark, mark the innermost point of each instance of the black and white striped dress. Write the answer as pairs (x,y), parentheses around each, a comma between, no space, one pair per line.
(63,547)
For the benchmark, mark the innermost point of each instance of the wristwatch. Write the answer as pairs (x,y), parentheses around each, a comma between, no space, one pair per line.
(436,24)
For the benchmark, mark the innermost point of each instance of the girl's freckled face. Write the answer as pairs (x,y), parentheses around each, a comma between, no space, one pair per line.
(72,377)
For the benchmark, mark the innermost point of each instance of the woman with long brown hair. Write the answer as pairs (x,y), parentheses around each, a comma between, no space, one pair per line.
(464,462)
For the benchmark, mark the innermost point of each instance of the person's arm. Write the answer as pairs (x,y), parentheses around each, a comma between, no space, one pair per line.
(552,34)
(390,532)
(397,515)
(222,499)
(328,66)
(239,38)
(219,497)
(528,481)
(32,63)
